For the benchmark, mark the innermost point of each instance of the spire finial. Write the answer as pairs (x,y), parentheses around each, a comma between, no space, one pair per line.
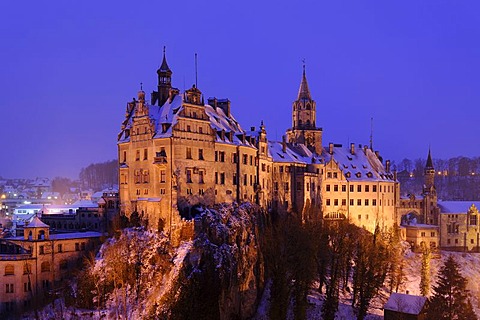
(371,133)
(141,86)
(164,47)
(304,92)
(303,61)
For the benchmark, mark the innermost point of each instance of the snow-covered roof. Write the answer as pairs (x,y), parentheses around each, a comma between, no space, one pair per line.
(166,117)
(405,303)
(84,204)
(275,150)
(70,235)
(457,206)
(36,223)
(362,165)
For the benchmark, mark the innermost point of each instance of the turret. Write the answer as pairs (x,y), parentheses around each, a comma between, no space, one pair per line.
(164,83)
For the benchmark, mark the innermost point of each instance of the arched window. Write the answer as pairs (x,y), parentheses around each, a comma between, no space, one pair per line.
(41,235)
(308,107)
(45,266)
(308,123)
(9,270)
(27,268)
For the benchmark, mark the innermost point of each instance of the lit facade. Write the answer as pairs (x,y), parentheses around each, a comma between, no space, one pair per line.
(178,151)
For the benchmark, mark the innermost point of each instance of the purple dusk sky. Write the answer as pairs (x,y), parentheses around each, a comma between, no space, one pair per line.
(69,67)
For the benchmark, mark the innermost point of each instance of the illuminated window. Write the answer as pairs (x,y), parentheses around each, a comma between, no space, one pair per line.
(9,270)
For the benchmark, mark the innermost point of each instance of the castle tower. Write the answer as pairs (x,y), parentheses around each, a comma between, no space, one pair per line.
(429,172)
(164,83)
(430,207)
(304,129)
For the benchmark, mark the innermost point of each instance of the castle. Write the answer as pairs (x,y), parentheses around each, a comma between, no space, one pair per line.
(176,151)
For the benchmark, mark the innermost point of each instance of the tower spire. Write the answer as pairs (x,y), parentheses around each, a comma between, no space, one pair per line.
(303,91)
(429,160)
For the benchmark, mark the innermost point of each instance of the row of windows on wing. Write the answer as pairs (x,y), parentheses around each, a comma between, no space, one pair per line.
(27,268)
(348,174)
(358,202)
(306,124)
(366,188)
(473,220)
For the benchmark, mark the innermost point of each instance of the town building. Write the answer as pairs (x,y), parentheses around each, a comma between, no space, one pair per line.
(178,151)
(33,265)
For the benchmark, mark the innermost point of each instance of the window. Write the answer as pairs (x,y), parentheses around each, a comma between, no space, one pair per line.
(329,174)
(216,155)
(200,129)
(359,217)
(41,250)
(432,234)
(251,160)
(245,159)
(45,267)
(335,187)
(189,153)
(9,288)
(221,156)
(367,188)
(344,188)
(359,202)
(422,234)
(335,202)
(77,246)
(200,154)
(471,241)
(327,187)
(124,156)
(374,188)
(335,175)
(448,241)
(9,270)
(27,286)
(351,202)
(473,220)
(222,178)
(200,176)
(359,188)
(244,179)
(328,202)
(374,202)
(137,156)
(456,241)
(145,154)
(234,179)
(351,188)
(162,191)
(344,202)
(188,128)
(189,176)
(366,202)
(163,176)
(216,177)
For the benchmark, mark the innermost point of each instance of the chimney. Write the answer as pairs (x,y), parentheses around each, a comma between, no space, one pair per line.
(365,147)
(395,174)
(387,166)
(352,148)
(330,148)
(284,144)
(252,128)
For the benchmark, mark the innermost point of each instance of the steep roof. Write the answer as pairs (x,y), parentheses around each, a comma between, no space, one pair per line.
(405,303)
(164,67)
(166,117)
(37,223)
(303,91)
(429,164)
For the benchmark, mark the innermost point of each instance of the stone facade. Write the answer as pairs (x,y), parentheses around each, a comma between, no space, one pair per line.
(34,265)
(178,152)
